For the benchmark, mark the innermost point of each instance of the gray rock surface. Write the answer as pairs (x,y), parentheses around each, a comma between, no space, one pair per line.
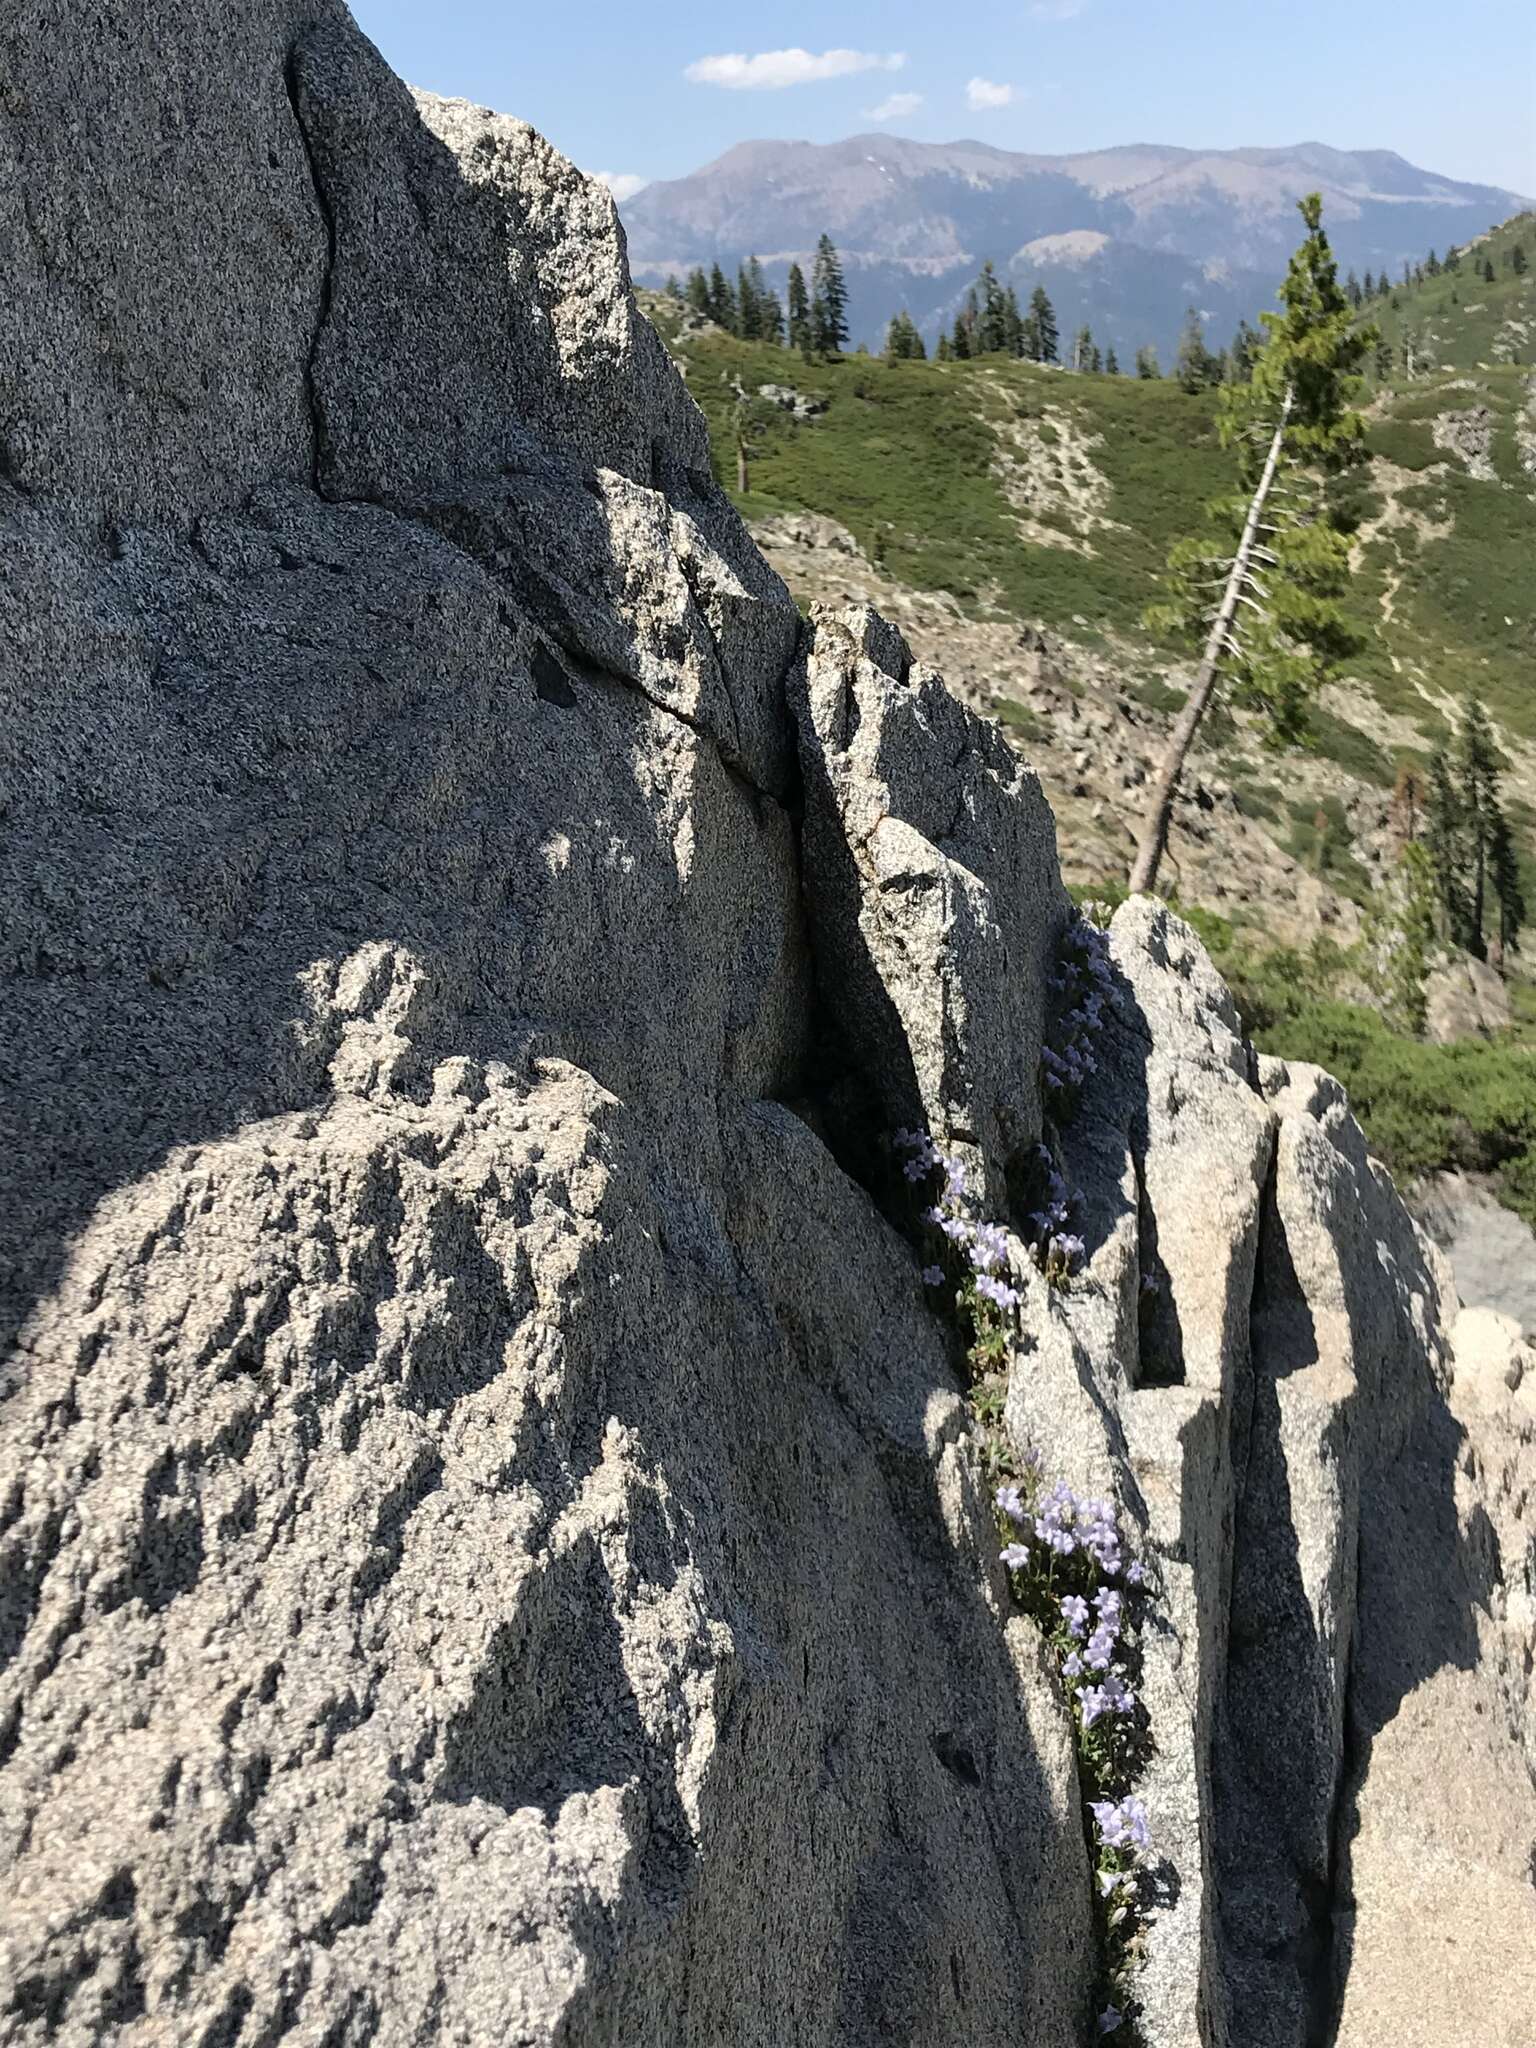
(492,1545)
(933,893)
(1492,1252)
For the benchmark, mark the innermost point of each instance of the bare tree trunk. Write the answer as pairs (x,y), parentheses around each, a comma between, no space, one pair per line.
(1154,838)
(741,468)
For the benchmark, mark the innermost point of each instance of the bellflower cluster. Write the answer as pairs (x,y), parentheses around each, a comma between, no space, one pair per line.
(1122,1824)
(1057,1247)
(1065,1553)
(985,1245)
(1066,1526)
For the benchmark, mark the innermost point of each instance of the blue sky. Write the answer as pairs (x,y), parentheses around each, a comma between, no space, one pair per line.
(643,90)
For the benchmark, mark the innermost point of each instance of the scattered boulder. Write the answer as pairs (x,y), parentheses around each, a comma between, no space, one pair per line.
(804,405)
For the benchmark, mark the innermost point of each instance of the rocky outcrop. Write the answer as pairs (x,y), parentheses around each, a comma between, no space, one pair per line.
(493,1543)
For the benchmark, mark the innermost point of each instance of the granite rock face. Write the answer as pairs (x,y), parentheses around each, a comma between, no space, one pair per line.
(493,1547)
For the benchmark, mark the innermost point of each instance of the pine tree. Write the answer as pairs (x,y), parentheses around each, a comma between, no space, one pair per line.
(1368,286)
(1383,358)
(942,351)
(722,300)
(1147,364)
(747,318)
(960,340)
(1472,850)
(1399,939)
(770,317)
(1041,322)
(1292,423)
(698,294)
(1488,274)
(1445,839)
(1477,764)
(1517,259)
(1244,353)
(1013,324)
(903,343)
(1504,868)
(991,314)
(673,290)
(1111,362)
(799,311)
(829,301)
(1196,368)
(1096,361)
(1082,349)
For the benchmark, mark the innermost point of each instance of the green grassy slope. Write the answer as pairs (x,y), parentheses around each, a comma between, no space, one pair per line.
(1054,497)
(1458,320)
(912,459)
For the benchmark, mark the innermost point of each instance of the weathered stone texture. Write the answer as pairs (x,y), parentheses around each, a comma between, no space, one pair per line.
(492,1546)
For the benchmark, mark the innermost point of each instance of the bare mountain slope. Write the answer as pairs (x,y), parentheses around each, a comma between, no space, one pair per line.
(916,220)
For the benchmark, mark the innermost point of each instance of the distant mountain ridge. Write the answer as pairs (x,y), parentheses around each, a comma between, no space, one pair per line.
(916,220)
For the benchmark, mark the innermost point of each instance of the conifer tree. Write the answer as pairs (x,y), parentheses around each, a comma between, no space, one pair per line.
(1041,323)
(1111,362)
(1477,765)
(799,311)
(1472,850)
(698,294)
(1517,259)
(1196,368)
(1399,939)
(829,301)
(1013,324)
(747,318)
(1445,839)
(1504,868)
(1291,424)
(1147,364)
(1488,273)
(991,331)
(1352,289)
(722,300)
(673,289)
(1244,353)
(1383,358)
(770,317)
(942,351)
(1082,349)
(1368,286)
(903,343)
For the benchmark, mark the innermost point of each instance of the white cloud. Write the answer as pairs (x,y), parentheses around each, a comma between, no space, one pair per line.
(1058,10)
(622,184)
(982,93)
(770,70)
(895,108)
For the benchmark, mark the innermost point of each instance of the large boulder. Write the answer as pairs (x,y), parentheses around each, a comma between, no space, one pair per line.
(493,1540)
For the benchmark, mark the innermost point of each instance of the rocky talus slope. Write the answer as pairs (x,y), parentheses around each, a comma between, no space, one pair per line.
(493,1545)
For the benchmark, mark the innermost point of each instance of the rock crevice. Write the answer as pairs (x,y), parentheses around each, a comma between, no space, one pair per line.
(493,1545)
